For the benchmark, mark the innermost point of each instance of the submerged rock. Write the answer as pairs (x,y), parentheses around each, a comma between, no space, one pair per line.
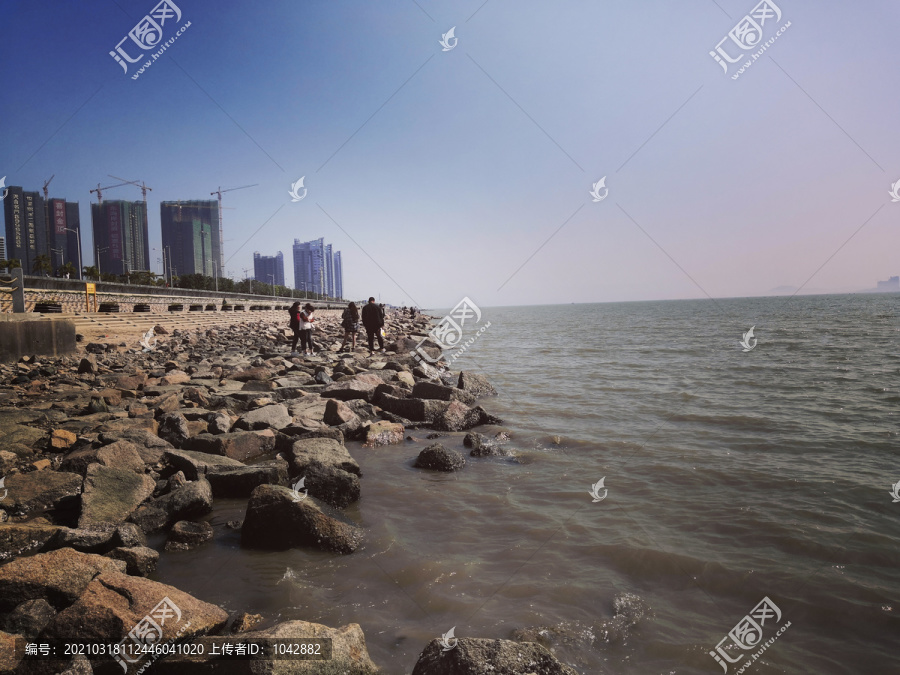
(478,656)
(275,521)
(438,458)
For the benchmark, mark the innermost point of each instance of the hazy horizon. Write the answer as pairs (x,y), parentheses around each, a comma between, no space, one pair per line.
(468,172)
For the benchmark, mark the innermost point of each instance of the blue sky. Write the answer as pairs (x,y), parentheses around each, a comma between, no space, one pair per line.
(439,173)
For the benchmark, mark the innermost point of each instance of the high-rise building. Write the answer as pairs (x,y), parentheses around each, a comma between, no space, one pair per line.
(37,228)
(190,237)
(338,276)
(121,242)
(267,267)
(329,272)
(62,218)
(309,265)
(26,226)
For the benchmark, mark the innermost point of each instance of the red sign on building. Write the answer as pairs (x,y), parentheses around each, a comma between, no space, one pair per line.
(59,217)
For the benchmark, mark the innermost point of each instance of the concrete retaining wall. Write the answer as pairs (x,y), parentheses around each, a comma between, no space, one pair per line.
(45,338)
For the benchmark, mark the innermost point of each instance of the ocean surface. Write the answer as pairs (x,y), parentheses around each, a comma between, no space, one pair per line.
(730,476)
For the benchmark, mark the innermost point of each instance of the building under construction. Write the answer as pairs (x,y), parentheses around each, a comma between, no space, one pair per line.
(191,239)
(121,242)
(38,227)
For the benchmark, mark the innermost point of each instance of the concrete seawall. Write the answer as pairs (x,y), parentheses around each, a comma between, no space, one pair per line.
(20,336)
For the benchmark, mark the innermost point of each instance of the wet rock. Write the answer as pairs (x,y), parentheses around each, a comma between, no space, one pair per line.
(244,622)
(268,417)
(240,481)
(438,458)
(384,433)
(114,602)
(325,451)
(195,464)
(414,409)
(29,618)
(482,446)
(477,385)
(186,535)
(275,521)
(111,495)
(58,577)
(331,485)
(40,490)
(476,656)
(140,561)
(459,417)
(173,427)
(440,392)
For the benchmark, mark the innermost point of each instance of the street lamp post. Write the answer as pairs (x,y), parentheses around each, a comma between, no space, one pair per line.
(216,274)
(272,277)
(97,251)
(77,239)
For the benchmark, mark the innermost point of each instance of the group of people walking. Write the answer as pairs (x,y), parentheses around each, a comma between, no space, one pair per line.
(372,316)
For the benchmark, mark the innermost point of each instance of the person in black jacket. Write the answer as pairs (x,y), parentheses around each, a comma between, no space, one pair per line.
(294,325)
(373,320)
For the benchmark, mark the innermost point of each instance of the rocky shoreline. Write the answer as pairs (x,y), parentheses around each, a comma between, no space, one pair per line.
(107,447)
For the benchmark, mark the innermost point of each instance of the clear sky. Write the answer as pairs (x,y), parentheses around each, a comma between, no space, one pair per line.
(440,173)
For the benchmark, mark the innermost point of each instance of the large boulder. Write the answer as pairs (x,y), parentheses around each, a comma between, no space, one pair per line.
(331,485)
(115,604)
(477,385)
(440,392)
(438,458)
(149,446)
(119,455)
(189,501)
(337,412)
(39,490)
(274,416)
(415,409)
(240,481)
(58,577)
(140,561)
(111,495)
(325,451)
(277,521)
(457,417)
(196,464)
(360,386)
(384,433)
(477,656)
(239,445)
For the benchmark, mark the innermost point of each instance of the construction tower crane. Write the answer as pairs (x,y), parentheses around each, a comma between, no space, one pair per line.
(221,232)
(141,185)
(99,190)
(46,183)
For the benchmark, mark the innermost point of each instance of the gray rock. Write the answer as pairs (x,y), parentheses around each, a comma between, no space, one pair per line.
(440,392)
(29,618)
(476,385)
(240,481)
(140,561)
(330,484)
(276,522)
(173,427)
(477,656)
(239,445)
(186,535)
(111,495)
(195,464)
(219,423)
(438,458)
(413,409)
(274,416)
(39,490)
(325,451)
(191,501)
